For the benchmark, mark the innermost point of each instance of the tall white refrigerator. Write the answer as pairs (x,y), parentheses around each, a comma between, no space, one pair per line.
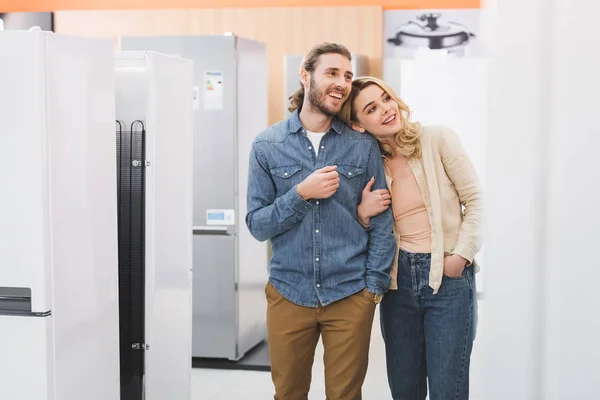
(154,100)
(58,219)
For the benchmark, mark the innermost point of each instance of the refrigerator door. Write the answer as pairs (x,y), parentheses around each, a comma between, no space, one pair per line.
(169,215)
(81,118)
(215,231)
(26,358)
(24,214)
(214,308)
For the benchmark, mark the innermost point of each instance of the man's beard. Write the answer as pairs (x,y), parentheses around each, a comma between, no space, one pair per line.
(317,100)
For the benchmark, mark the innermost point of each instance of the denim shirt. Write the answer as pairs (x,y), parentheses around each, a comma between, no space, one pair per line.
(321,253)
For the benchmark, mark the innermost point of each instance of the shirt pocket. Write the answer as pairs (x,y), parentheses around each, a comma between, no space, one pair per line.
(350,177)
(286,177)
(351,181)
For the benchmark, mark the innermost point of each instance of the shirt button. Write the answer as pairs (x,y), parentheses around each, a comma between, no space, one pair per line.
(350,173)
(318,285)
(310,147)
(285,174)
(317,202)
(322,147)
(317,231)
(317,258)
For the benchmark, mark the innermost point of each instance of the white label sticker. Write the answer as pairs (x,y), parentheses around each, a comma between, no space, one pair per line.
(196,97)
(213,90)
(220,217)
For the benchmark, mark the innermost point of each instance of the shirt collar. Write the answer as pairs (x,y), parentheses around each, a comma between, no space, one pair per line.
(294,124)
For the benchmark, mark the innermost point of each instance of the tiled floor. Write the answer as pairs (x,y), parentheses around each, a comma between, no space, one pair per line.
(246,385)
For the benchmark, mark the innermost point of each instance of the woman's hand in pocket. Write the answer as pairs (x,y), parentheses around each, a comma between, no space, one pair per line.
(454,265)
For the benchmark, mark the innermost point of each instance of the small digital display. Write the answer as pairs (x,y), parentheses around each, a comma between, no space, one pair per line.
(216,216)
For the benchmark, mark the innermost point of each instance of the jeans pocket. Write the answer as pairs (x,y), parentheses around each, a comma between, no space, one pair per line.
(457,278)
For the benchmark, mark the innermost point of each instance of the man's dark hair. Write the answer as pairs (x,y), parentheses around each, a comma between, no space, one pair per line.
(310,64)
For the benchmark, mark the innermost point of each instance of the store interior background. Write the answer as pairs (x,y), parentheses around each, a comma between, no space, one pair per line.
(539,308)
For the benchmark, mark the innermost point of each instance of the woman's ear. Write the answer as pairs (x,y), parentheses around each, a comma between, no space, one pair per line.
(357,127)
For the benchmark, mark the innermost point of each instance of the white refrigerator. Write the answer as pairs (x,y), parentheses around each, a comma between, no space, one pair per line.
(154,112)
(58,218)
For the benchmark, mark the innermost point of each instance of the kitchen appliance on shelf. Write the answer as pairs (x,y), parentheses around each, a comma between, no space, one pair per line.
(230,266)
(59,333)
(154,139)
(431,31)
(291,77)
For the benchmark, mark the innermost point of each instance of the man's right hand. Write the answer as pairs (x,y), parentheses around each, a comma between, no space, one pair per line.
(321,184)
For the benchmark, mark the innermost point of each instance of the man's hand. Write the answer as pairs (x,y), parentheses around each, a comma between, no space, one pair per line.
(454,265)
(373,202)
(321,184)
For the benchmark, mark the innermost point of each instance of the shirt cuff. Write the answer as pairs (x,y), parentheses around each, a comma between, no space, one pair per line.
(295,201)
(464,253)
(363,225)
(374,286)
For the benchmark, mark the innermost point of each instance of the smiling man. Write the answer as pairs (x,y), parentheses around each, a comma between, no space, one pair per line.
(327,272)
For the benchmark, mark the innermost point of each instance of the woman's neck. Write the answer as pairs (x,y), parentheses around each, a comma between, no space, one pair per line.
(398,156)
(391,142)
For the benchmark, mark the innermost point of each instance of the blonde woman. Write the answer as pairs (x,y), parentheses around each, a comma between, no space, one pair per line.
(428,317)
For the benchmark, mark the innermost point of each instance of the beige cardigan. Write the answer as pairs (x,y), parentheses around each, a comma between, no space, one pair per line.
(447,181)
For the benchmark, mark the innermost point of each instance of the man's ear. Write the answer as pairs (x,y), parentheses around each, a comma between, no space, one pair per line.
(304,78)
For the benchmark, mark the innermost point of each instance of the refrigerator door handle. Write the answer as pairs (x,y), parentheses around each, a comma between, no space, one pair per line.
(14,300)
(211,230)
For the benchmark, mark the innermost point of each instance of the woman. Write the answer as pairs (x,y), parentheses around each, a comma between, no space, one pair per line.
(428,317)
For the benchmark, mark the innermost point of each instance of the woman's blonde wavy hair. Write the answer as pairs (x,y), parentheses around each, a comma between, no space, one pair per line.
(408,139)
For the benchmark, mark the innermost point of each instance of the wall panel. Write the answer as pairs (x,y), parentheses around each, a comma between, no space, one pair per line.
(285,30)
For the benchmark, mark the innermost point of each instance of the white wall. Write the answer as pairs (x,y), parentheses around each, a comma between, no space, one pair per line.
(542,319)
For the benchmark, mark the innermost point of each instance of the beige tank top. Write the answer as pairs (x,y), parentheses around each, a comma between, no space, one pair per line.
(410,213)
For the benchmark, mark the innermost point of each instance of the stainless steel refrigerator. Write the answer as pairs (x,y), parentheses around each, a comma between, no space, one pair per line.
(291,71)
(230,266)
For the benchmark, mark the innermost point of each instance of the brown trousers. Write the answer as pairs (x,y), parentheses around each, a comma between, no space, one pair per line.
(293,334)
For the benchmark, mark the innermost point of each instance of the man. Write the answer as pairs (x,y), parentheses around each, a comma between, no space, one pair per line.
(328,272)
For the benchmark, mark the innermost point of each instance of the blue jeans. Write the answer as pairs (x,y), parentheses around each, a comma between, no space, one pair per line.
(428,338)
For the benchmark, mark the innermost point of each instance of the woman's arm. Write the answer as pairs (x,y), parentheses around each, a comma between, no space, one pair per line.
(372,203)
(461,172)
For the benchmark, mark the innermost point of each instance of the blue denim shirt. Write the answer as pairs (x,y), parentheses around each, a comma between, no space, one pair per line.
(321,253)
